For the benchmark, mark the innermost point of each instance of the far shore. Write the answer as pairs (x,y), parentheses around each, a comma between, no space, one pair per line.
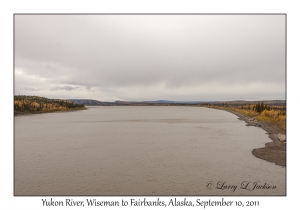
(52,111)
(274,151)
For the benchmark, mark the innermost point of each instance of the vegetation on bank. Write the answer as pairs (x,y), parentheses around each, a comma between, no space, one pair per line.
(262,112)
(35,104)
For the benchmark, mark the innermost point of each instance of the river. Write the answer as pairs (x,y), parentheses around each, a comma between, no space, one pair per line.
(141,150)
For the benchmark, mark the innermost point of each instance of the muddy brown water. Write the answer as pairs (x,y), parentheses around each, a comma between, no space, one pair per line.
(130,150)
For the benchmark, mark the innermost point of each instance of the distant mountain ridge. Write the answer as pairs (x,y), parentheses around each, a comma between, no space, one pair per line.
(173,102)
(91,102)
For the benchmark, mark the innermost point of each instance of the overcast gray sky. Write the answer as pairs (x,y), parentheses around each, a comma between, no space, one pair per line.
(150,57)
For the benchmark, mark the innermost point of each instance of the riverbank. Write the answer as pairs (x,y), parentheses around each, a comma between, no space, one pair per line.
(274,151)
(16,113)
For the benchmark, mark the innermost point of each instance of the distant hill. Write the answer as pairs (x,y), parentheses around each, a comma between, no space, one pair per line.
(90,102)
(173,102)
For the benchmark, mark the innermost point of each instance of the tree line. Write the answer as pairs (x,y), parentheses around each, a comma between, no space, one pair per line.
(23,103)
(260,107)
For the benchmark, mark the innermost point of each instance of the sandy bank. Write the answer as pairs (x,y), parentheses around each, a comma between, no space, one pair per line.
(274,151)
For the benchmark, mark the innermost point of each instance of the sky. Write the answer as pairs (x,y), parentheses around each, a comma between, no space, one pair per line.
(150,57)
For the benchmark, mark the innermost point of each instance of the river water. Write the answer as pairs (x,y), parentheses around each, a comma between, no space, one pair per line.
(147,150)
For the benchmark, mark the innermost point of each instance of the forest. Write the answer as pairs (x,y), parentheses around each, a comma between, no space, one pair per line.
(275,114)
(34,104)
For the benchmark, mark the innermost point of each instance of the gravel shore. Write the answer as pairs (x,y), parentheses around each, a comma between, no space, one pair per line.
(274,151)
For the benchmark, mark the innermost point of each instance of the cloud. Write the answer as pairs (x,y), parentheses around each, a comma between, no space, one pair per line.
(67,88)
(161,54)
(31,89)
